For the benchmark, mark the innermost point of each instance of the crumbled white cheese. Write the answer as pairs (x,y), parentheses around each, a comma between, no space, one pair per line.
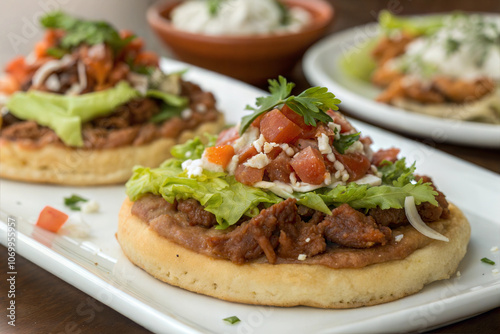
(259,143)
(233,164)
(459,274)
(398,237)
(302,257)
(338,166)
(494,249)
(293,178)
(53,83)
(268,147)
(328,179)
(186,113)
(356,147)
(308,239)
(90,207)
(335,128)
(331,157)
(192,167)
(495,271)
(188,154)
(288,150)
(345,177)
(259,161)
(246,139)
(324,144)
(337,175)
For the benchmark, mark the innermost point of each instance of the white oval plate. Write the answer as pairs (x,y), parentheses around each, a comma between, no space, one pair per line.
(321,67)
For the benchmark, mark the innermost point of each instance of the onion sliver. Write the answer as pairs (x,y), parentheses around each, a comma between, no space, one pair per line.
(415,220)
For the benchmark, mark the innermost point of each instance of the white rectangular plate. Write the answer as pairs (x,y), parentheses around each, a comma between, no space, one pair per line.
(96,265)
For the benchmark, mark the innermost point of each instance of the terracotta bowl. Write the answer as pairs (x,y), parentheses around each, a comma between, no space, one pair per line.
(253,59)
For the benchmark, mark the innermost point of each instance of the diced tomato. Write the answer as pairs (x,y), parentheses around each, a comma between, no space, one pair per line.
(147,58)
(220,155)
(18,69)
(248,175)
(308,131)
(227,136)
(345,126)
(247,153)
(51,219)
(41,48)
(390,154)
(309,166)
(8,85)
(256,122)
(277,128)
(356,164)
(279,169)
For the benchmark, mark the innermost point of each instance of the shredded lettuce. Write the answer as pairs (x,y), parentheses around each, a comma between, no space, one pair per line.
(416,25)
(230,200)
(220,194)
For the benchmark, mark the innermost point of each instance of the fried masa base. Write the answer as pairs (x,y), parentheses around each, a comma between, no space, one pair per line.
(85,167)
(292,284)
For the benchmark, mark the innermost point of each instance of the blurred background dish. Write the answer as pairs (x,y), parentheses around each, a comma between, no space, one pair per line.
(322,67)
(251,58)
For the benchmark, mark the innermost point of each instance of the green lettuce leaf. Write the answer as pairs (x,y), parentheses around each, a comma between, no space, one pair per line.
(397,173)
(65,114)
(357,62)
(417,25)
(219,193)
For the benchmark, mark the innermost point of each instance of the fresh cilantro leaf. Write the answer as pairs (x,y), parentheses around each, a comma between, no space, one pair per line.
(311,104)
(396,173)
(232,320)
(214,6)
(56,52)
(74,201)
(488,261)
(81,31)
(345,141)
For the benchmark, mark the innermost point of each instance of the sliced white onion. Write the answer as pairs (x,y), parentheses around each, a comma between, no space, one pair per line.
(415,220)
(82,75)
(50,67)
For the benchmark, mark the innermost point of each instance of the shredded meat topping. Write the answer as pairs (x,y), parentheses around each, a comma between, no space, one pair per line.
(285,232)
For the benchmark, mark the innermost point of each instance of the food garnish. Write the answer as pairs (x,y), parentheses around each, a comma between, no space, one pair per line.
(488,261)
(51,219)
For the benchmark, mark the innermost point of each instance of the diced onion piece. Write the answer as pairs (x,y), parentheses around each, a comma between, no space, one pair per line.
(415,220)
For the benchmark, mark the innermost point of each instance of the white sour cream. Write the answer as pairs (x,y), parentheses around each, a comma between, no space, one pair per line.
(466,47)
(237,17)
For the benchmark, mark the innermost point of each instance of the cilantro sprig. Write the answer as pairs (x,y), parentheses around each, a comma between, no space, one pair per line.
(311,104)
(232,320)
(74,202)
(79,31)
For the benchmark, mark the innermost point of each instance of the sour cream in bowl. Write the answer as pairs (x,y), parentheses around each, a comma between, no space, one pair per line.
(250,40)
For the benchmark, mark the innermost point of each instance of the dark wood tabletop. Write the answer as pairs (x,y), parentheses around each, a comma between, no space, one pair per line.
(46,304)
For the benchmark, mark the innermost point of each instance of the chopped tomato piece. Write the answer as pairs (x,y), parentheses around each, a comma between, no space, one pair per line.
(8,85)
(277,128)
(227,136)
(18,69)
(146,58)
(256,122)
(309,165)
(247,153)
(51,219)
(356,164)
(308,131)
(390,154)
(220,155)
(345,126)
(248,175)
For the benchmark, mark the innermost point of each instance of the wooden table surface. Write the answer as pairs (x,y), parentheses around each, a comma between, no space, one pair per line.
(46,304)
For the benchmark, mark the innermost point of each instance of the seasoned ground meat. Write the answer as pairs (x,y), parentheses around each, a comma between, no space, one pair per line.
(128,125)
(286,232)
(350,228)
(196,214)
